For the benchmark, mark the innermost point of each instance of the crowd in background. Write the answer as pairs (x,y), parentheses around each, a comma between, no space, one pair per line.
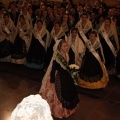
(30,28)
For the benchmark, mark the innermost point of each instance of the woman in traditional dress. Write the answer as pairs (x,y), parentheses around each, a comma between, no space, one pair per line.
(115,20)
(71,21)
(38,14)
(47,21)
(56,34)
(84,26)
(93,19)
(99,22)
(93,73)
(26,15)
(22,41)
(36,53)
(58,86)
(110,44)
(32,15)
(7,36)
(64,23)
(76,48)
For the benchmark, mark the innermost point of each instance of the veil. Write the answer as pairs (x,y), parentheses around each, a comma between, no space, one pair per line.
(101,48)
(47,74)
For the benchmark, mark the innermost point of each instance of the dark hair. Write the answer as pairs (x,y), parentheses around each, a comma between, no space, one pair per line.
(114,17)
(39,20)
(80,4)
(24,7)
(74,29)
(2,7)
(70,14)
(22,16)
(101,7)
(57,22)
(64,15)
(6,14)
(99,16)
(60,43)
(12,3)
(94,32)
(108,18)
(84,13)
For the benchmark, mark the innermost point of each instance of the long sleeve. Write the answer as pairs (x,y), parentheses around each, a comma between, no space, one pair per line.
(53,71)
(100,54)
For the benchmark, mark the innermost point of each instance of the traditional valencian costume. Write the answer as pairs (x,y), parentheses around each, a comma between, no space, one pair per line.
(21,43)
(110,45)
(64,24)
(38,47)
(93,73)
(7,36)
(76,50)
(53,39)
(58,86)
(27,18)
(86,29)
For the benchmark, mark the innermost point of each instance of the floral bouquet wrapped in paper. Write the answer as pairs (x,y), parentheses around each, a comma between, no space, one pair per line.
(74,69)
(33,107)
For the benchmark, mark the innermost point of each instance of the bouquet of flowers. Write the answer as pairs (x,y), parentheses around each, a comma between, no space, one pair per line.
(33,107)
(74,69)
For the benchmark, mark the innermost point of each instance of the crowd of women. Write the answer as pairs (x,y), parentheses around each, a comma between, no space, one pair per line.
(52,35)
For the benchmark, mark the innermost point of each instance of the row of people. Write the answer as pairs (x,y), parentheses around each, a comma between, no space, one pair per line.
(21,41)
(50,13)
(34,48)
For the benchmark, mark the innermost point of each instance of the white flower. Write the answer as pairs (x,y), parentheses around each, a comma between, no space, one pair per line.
(32,107)
(74,70)
(74,66)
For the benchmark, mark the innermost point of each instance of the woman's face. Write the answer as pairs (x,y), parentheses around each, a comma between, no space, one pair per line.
(84,17)
(93,15)
(70,17)
(21,20)
(24,10)
(39,25)
(55,12)
(101,19)
(6,18)
(65,18)
(30,11)
(39,12)
(100,10)
(64,47)
(92,37)
(57,27)
(74,33)
(107,22)
(45,14)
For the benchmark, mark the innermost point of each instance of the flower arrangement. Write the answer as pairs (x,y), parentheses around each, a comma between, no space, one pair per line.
(33,107)
(74,69)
